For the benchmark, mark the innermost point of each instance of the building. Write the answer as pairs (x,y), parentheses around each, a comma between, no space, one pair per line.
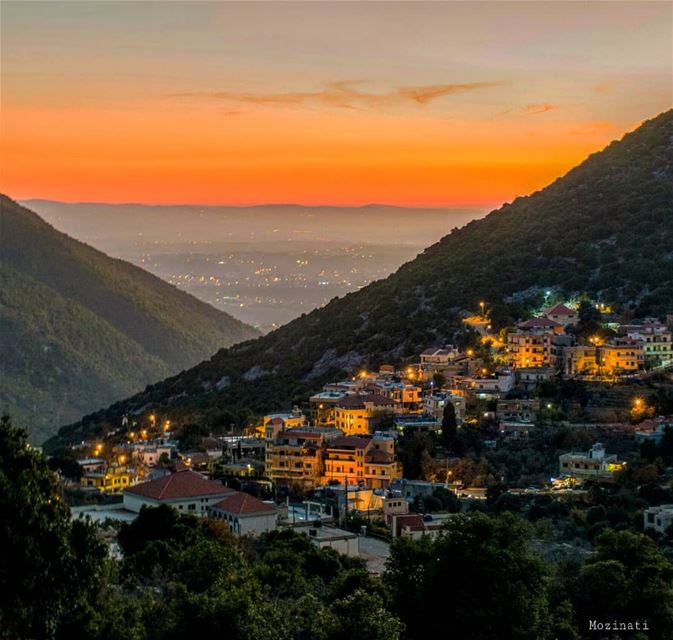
(531,345)
(323,406)
(436,356)
(345,459)
(295,457)
(562,315)
(370,462)
(92,465)
(433,404)
(281,421)
(357,414)
(658,518)
(112,481)
(381,464)
(186,490)
(394,506)
(653,430)
(580,361)
(405,396)
(531,377)
(591,465)
(621,357)
(519,410)
(245,514)
(486,384)
(413,525)
(345,542)
(655,338)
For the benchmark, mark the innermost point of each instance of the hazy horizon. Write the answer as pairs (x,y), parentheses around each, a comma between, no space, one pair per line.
(264,265)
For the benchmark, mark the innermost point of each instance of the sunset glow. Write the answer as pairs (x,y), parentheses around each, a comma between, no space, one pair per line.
(326,103)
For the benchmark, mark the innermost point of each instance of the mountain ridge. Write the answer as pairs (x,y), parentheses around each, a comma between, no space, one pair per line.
(113,307)
(579,234)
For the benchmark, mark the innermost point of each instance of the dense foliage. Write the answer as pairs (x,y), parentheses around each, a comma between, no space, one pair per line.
(605,229)
(183,576)
(80,329)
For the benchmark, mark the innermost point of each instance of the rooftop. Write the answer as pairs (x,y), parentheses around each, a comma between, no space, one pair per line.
(560,310)
(357,400)
(181,484)
(243,504)
(349,442)
(535,323)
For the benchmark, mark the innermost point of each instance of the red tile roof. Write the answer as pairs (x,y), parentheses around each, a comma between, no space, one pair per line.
(349,442)
(538,322)
(560,310)
(181,484)
(243,504)
(414,521)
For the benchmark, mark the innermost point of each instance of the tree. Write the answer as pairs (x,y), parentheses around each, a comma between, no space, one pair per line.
(449,426)
(51,568)
(628,577)
(478,579)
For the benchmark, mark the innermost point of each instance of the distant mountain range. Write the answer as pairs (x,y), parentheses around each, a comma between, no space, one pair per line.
(80,330)
(118,229)
(605,229)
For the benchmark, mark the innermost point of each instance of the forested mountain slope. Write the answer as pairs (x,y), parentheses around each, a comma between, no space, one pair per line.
(605,228)
(79,330)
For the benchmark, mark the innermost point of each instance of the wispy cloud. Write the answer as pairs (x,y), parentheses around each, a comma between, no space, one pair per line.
(603,87)
(344,95)
(534,109)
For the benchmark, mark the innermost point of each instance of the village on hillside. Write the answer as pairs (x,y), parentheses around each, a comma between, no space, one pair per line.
(396,451)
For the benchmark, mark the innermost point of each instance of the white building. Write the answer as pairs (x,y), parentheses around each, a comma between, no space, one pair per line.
(658,518)
(246,514)
(185,490)
(340,540)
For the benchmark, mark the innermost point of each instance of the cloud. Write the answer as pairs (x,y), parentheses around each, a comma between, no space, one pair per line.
(603,87)
(343,95)
(534,109)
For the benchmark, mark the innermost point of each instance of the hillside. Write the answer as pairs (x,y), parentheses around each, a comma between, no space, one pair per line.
(605,228)
(80,329)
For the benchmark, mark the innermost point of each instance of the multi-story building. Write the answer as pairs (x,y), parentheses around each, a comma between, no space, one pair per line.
(368,461)
(345,459)
(356,414)
(295,456)
(533,343)
(405,395)
(519,410)
(655,338)
(113,480)
(323,406)
(591,465)
(580,360)
(435,403)
(381,464)
(287,420)
(621,357)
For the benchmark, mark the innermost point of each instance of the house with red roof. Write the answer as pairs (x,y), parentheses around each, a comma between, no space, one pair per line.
(245,514)
(414,525)
(184,490)
(562,314)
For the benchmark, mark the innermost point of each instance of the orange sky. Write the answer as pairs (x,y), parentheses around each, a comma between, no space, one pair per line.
(411,104)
